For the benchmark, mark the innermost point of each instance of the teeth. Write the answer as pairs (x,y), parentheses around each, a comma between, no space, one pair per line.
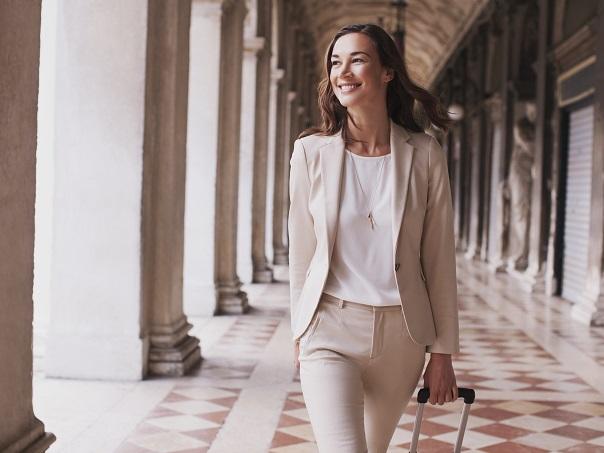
(350,86)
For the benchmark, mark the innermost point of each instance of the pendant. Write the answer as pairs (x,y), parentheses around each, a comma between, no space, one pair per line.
(371,220)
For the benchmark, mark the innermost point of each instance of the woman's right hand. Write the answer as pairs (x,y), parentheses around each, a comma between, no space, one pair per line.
(296,354)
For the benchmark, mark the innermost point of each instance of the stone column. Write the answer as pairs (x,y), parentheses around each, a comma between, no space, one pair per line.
(478,148)
(280,192)
(465,157)
(230,298)
(540,197)
(280,248)
(262,273)
(172,350)
(473,140)
(507,110)
(456,189)
(95,327)
(20,430)
(274,112)
(502,146)
(252,44)
(497,191)
(591,309)
(202,155)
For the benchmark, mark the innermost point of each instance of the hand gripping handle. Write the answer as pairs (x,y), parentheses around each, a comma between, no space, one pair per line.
(467,394)
(422,397)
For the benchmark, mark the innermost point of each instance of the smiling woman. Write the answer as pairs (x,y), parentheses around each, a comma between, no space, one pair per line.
(371,216)
(364,56)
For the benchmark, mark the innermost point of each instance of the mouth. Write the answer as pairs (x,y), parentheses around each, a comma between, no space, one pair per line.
(348,87)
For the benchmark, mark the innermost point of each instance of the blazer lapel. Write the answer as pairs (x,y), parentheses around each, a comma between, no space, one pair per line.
(402,160)
(332,168)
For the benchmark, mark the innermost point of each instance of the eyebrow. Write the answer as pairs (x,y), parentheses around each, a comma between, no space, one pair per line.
(352,54)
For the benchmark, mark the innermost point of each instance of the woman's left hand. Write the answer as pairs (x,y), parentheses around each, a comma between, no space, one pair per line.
(439,377)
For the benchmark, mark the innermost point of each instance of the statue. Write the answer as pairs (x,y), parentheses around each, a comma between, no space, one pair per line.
(519,185)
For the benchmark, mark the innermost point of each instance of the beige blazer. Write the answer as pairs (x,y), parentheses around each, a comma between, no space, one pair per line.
(423,248)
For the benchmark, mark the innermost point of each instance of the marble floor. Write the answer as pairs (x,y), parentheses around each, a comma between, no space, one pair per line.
(538,376)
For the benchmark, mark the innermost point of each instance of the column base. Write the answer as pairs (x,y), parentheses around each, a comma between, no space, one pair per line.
(530,281)
(472,254)
(281,257)
(590,310)
(35,441)
(496,266)
(589,313)
(173,352)
(262,275)
(231,300)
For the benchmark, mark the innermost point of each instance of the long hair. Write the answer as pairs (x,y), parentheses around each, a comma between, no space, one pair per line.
(401,94)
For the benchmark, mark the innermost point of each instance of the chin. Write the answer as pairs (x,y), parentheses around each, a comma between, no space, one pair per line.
(350,101)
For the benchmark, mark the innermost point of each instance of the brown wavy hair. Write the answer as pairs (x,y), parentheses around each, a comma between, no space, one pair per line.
(402,95)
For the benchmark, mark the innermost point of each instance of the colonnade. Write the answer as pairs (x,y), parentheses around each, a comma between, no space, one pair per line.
(526,157)
(172,124)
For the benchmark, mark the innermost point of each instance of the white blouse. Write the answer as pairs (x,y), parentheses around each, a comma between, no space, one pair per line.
(362,268)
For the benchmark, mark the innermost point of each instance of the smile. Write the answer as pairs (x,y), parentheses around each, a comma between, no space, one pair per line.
(345,88)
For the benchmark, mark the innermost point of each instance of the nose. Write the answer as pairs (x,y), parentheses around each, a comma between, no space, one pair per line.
(345,70)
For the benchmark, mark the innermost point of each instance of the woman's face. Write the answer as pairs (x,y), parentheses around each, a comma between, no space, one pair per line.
(357,76)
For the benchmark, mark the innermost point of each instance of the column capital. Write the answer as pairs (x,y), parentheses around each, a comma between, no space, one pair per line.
(277,74)
(228,4)
(254,45)
(494,105)
(207,8)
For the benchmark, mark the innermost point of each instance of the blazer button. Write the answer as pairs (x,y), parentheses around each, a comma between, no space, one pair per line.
(396,266)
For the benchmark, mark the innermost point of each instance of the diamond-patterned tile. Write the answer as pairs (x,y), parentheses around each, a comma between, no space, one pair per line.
(181,423)
(585,408)
(471,439)
(497,358)
(204,393)
(548,441)
(193,407)
(167,442)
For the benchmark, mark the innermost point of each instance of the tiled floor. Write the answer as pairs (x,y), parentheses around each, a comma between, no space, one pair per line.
(538,376)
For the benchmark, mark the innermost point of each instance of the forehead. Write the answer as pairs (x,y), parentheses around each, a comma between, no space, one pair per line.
(353,42)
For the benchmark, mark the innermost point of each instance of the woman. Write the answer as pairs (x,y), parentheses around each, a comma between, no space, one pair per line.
(371,246)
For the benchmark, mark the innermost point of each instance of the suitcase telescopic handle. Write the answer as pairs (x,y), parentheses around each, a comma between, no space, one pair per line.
(468,395)
(423,395)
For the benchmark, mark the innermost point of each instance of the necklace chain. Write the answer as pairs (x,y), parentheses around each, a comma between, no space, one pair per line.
(369,205)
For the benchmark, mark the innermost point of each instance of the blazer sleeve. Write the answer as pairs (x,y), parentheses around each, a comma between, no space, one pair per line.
(300,225)
(438,254)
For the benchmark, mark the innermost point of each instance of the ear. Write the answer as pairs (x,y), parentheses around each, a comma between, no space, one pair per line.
(389,75)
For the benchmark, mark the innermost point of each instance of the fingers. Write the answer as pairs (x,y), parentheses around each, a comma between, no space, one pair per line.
(441,395)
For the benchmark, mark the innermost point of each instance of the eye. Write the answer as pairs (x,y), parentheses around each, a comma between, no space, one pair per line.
(333,63)
(357,59)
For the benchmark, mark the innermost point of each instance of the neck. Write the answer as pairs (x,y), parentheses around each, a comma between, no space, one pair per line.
(372,130)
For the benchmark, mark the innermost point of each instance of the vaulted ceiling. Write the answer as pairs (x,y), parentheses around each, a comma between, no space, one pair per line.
(433,27)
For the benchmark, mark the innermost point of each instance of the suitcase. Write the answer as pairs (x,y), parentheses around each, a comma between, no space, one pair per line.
(422,397)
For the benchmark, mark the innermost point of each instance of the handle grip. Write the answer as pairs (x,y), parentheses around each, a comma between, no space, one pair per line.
(468,395)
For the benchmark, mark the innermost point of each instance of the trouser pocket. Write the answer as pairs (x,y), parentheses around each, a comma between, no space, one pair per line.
(310,330)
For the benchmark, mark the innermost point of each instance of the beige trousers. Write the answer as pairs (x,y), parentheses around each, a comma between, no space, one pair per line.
(358,370)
